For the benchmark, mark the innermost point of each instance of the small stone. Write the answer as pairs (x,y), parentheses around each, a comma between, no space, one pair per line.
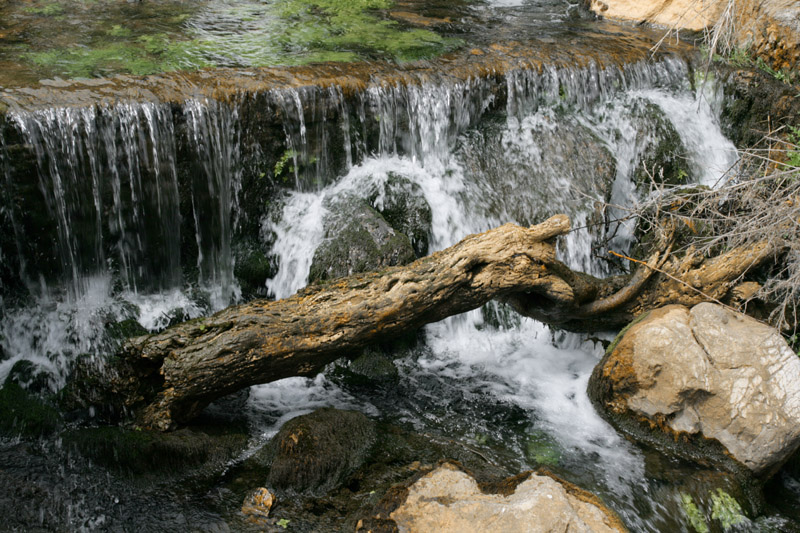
(258,503)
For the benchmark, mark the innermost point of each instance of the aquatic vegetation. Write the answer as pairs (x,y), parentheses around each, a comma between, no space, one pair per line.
(693,514)
(292,32)
(542,449)
(726,509)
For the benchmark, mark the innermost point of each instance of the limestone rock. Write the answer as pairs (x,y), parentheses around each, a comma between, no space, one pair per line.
(357,239)
(449,500)
(706,372)
(684,14)
(770,28)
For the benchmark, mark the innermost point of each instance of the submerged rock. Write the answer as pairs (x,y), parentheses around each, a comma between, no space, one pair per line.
(450,500)
(316,452)
(357,239)
(156,453)
(707,374)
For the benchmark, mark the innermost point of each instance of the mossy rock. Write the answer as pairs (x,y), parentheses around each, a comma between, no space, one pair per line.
(252,268)
(662,152)
(25,414)
(357,239)
(31,377)
(149,452)
(369,369)
(125,329)
(315,453)
(402,203)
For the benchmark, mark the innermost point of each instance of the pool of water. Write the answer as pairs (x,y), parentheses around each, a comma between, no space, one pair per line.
(43,39)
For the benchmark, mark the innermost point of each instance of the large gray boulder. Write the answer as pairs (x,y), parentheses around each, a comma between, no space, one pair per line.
(450,500)
(707,374)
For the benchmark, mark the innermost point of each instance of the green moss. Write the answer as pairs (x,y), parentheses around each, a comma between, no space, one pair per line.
(45,10)
(119,31)
(693,514)
(22,413)
(726,509)
(542,449)
(618,338)
(290,32)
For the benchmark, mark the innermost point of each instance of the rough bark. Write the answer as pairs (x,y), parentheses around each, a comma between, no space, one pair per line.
(176,373)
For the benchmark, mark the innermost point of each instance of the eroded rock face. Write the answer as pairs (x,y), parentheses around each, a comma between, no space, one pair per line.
(707,372)
(771,28)
(449,500)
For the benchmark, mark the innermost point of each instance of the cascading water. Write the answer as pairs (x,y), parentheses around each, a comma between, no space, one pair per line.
(565,145)
(569,140)
(108,205)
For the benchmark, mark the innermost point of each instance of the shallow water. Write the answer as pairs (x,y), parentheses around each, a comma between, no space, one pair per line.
(93,38)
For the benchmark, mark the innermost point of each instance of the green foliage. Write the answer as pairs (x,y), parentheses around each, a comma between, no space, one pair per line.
(726,509)
(793,154)
(283,522)
(693,514)
(280,165)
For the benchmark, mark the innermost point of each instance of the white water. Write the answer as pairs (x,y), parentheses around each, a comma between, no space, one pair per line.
(521,365)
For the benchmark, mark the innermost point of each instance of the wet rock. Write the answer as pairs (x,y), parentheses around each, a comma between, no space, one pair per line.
(523,164)
(258,503)
(663,154)
(357,239)
(152,452)
(252,267)
(706,383)
(448,499)
(24,413)
(31,377)
(316,452)
(230,407)
(370,368)
(402,203)
(755,102)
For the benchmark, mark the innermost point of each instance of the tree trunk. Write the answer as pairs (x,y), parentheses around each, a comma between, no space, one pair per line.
(169,377)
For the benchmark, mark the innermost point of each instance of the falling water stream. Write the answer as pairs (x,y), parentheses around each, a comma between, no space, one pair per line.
(128,232)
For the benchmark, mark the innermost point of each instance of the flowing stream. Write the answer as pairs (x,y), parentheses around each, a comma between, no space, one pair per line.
(129,232)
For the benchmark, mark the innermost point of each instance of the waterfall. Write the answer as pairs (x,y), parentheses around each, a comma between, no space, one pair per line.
(142,205)
(568,142)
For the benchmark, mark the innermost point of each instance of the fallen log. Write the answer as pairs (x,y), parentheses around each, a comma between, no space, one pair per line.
(169,377)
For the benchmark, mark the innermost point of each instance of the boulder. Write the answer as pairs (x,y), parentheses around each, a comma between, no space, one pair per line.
(357,239)
(692,380)
(450,500)
(316,452)
(402,203)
